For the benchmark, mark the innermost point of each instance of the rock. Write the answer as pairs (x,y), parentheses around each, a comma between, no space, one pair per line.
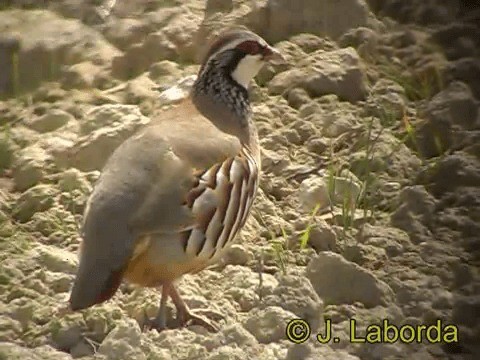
(80,76)
(140,89)
(227,353)
(178,92)
(67,337)
(426,13)
(36,199)
(268,325)
(452,172)
(389,155)
(387,101)
(309,43)
(358,37)
(459,40)
(296,294)
(308,352)
(48,41)
(51,121)
(317,145)
(466,70)
(82,348)
(243,285)
(286,18)
(14,351)
(321,236)
(393,240)
(238,335)
(466,310)
(450,110)
(164,68)
(214,6)
(414,214)
(174,41)
(123,342)
(7,151)
(297,97)
(126,32)
(56,259)
(455,105)
(364,254)
(337,72)
(107,126)
(357,283)
(73,179)
(237,255)
(29,168)
(59,282)
(322,192)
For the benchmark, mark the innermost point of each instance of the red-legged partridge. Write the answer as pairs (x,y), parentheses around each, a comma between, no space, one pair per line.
(172,197)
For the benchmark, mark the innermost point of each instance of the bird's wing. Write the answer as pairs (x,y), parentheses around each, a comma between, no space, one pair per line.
(143,188)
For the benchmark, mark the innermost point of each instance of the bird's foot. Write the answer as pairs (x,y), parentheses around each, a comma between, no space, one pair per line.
(156,323)
(190,318)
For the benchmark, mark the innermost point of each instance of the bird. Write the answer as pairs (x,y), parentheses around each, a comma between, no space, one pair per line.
(171,198)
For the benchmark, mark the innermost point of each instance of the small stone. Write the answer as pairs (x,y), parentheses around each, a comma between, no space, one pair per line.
(336,72)
(59,282)
(296,294)
(7,151)
(357,284)
(36,199)
(227,353)
(82,348)
(80,76)
(322,237)
(238,255)
(394,241)
(123,341)
(317,145)
(268,325)
(55,259)
(73,179)
(297,97)
(68,337)
(238,335)
(164,68)
(320,192)
(29,167)
(51,121)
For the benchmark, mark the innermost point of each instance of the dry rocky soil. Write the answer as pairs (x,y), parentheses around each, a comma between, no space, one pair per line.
(369,207)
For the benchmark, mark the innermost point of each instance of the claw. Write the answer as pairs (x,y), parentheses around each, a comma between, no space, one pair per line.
(190,318)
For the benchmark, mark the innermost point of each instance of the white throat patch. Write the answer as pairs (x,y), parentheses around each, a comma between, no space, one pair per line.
(247,68)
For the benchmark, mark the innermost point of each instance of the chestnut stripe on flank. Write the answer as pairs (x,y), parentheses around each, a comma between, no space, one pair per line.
(232,211)
(185,235)
(240,211)
(194,194)
(205,221)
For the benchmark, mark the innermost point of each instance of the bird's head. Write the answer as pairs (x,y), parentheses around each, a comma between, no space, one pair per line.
(240,54)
